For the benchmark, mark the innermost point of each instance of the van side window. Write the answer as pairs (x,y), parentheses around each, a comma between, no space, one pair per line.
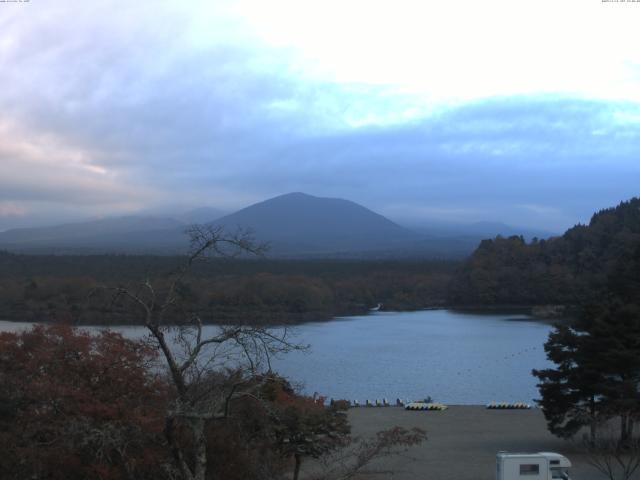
(530,469)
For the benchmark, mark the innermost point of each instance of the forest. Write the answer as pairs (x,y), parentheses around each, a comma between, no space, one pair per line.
(74,289)
(588,262)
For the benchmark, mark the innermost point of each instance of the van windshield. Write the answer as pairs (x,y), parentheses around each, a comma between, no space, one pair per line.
(562,473)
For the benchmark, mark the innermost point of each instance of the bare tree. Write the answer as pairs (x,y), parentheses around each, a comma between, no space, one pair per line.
(615,459)
(360,453)
(195,359)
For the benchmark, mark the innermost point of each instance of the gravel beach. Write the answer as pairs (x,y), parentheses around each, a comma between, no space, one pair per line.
(463,441)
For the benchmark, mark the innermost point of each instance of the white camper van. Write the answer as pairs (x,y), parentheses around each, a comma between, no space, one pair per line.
(532,466)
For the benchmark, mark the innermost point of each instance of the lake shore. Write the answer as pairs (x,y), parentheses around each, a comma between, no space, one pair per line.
(463,441)
(550,314)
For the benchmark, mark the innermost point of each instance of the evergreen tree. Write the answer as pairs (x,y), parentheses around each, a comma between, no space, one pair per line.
(598,371)
(615,333)
(571,392)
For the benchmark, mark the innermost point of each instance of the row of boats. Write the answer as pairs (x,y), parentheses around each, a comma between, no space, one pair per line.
(427,404)
(509,406)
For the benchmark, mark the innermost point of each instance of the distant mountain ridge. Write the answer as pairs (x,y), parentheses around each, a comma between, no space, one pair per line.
(100,228)
(482,230)
(295,225)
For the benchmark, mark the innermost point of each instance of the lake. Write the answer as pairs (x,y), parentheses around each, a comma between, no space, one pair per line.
(454,357)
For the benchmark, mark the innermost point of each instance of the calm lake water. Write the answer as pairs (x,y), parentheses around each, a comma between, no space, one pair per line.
(454,357)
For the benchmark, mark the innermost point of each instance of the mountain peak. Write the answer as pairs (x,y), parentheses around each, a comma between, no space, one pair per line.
(295,195)
(301,196)
(304,223)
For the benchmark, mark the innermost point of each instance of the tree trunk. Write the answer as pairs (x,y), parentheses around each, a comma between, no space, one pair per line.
(176,451)
(594,421)
(592,431)
(200,446)
(624,429)
(296,470)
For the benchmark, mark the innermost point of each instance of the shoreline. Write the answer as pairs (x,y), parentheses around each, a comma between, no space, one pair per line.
(536,312)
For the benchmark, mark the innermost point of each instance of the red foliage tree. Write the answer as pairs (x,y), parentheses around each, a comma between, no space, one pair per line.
(75,405)
(304,426)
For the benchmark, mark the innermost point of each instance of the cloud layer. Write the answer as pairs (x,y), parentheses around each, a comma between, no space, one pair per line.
(109,108)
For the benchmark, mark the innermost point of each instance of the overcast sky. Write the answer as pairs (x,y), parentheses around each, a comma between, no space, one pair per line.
(526,112)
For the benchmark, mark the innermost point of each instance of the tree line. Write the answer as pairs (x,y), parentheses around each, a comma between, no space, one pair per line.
(64,288)
(567,270)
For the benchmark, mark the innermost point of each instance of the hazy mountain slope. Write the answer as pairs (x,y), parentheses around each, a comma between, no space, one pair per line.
(300,223)
(478,231)
(200,215)
(90,233)
(295,225)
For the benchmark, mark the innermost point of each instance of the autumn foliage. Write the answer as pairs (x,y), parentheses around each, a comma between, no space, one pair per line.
(76,406)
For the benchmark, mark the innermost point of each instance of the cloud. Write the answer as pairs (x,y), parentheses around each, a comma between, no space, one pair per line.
(10,209)
(478,161)
(45,167)
(461,50)
(110,106)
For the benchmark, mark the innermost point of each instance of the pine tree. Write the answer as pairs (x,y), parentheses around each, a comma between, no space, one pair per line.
(571,392)
(598,371)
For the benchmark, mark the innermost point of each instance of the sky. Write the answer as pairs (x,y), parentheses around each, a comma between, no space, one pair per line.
(516,111)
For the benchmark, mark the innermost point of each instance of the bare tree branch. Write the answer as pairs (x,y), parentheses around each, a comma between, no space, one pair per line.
(201,397)
(613,458)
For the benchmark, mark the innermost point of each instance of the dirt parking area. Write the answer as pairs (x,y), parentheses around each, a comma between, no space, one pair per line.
(463,441)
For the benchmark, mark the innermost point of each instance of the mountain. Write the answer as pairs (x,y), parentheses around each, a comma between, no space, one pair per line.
(459,240)
(184,214)
(106,234)
(200,215)
(294,224)
(493,229)
(301,224)
(478,231)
